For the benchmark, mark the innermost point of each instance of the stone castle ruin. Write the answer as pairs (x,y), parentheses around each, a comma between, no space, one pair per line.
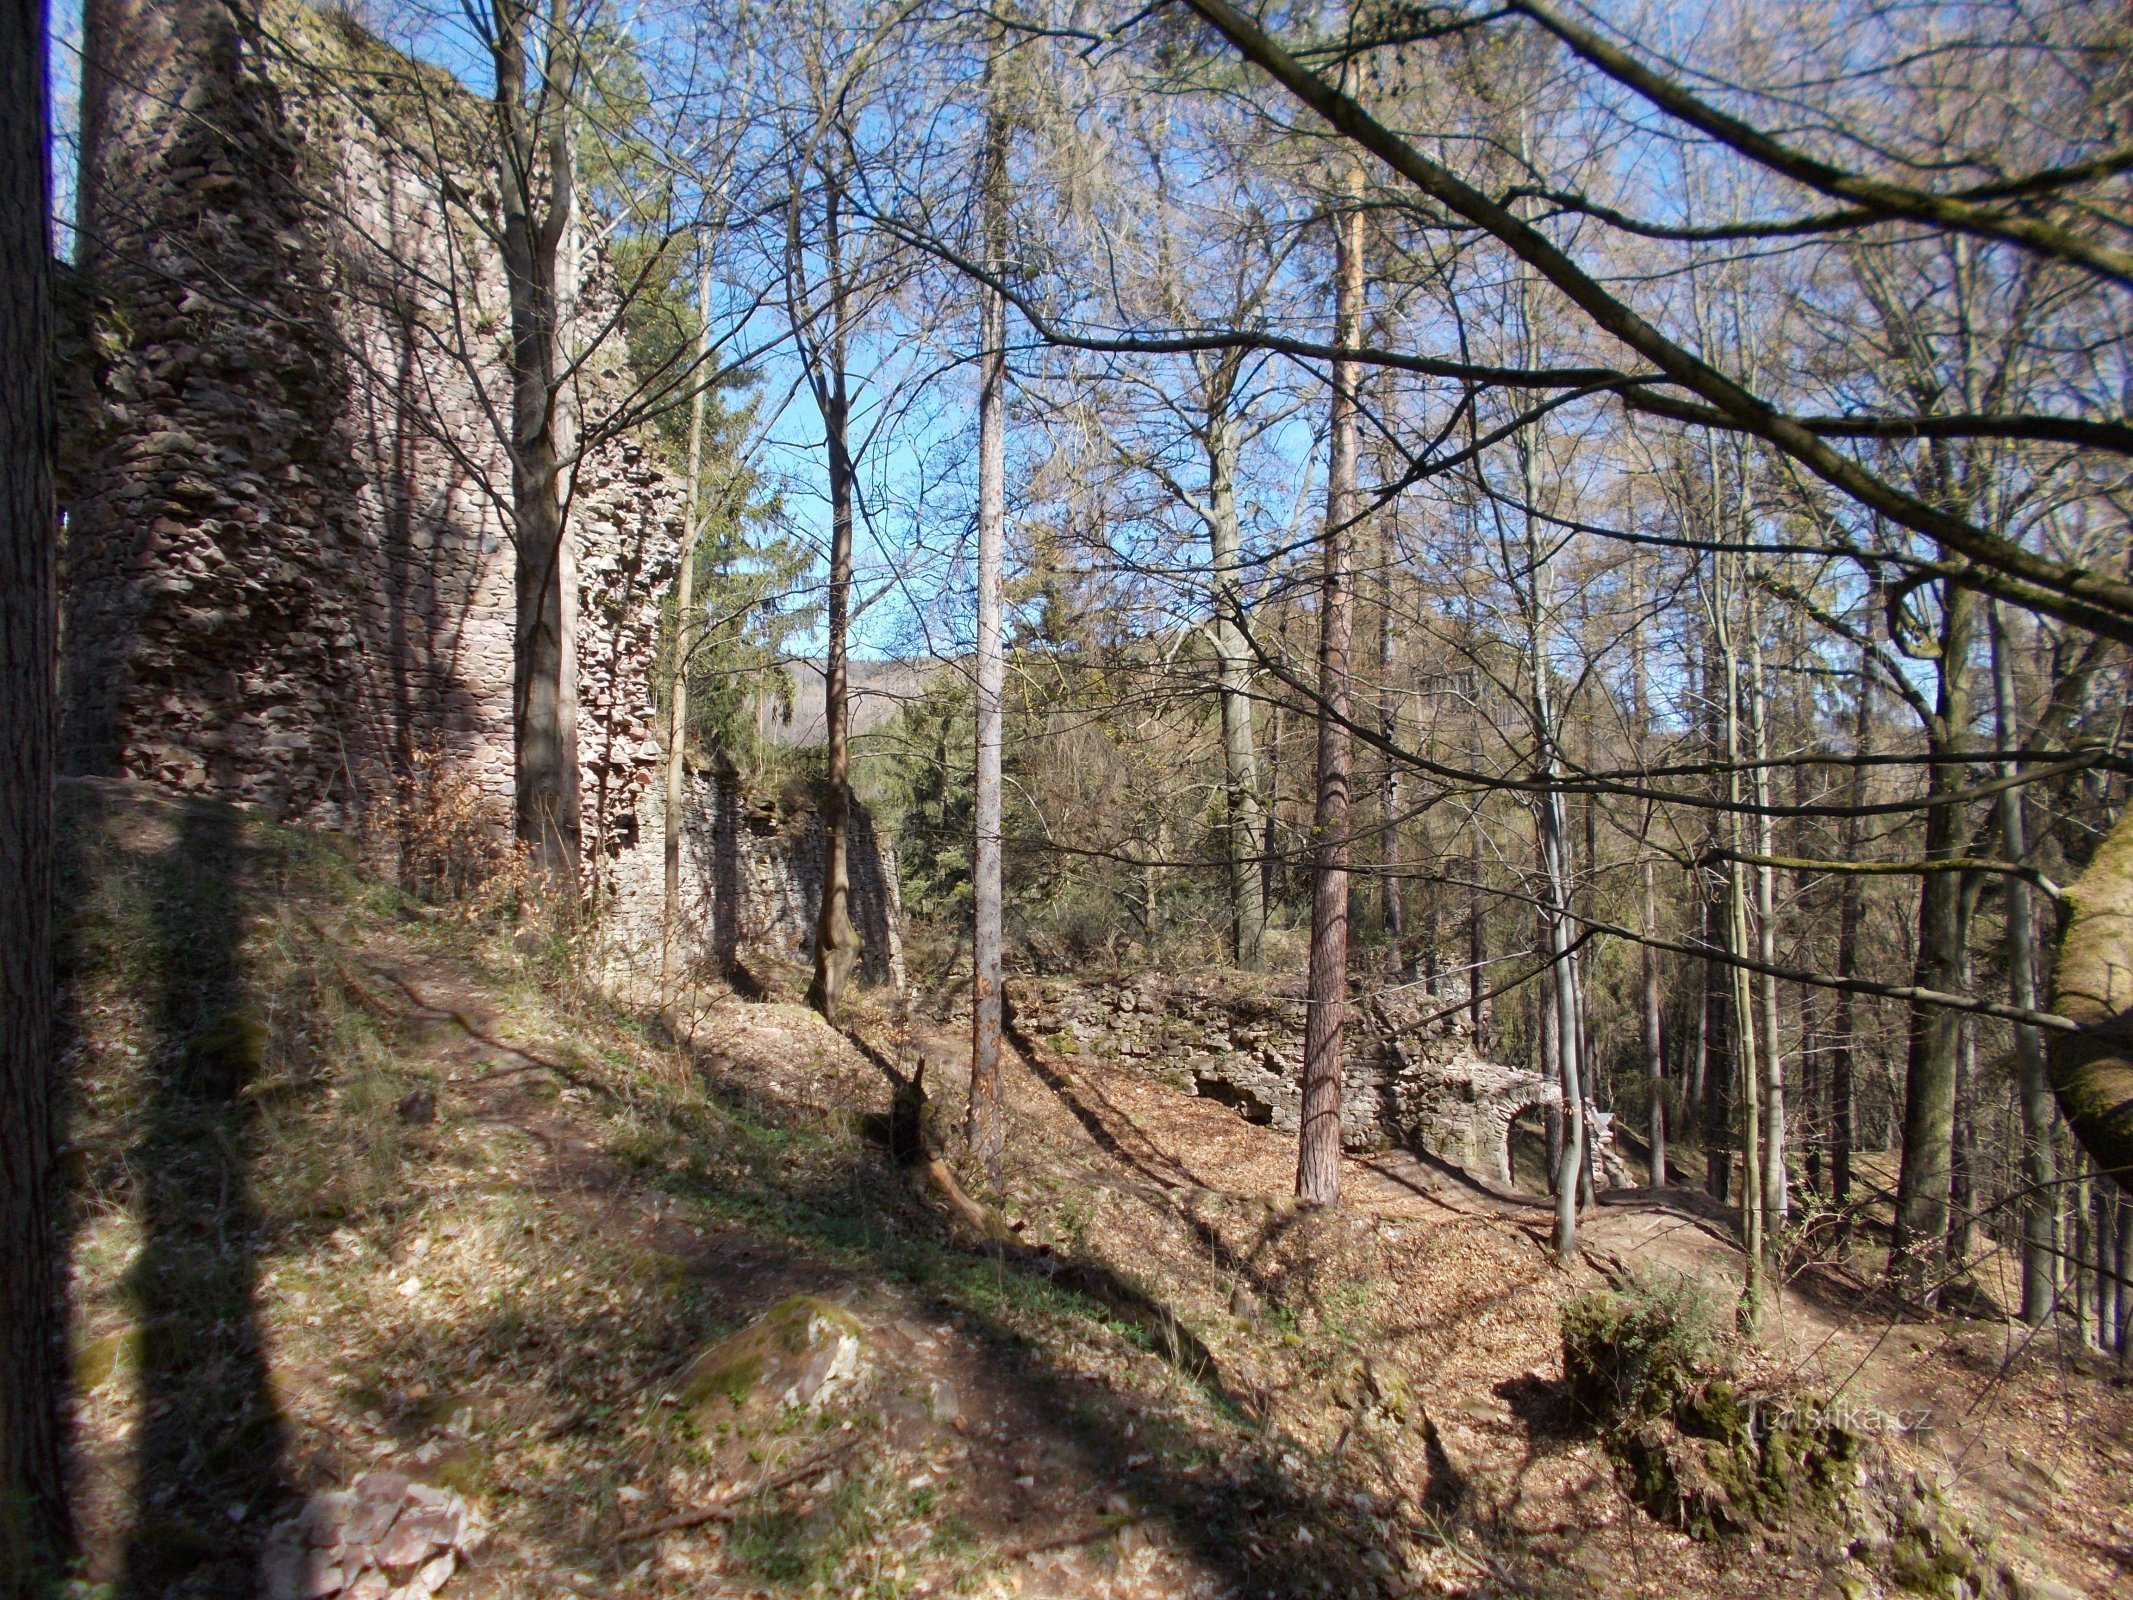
(289,574)
(289,578)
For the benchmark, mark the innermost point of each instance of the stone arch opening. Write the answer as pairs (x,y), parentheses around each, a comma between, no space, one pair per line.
(1525,1152)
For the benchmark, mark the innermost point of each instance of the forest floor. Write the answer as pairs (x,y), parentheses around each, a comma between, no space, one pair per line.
(364,1183)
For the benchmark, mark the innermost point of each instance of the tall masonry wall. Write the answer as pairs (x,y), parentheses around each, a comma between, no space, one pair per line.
(287,573)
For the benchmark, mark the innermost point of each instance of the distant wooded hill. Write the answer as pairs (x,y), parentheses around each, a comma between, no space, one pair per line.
(880,689)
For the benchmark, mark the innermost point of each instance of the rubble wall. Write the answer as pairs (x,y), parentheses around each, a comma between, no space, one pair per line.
(751,882)
(288,574)
(1410,1077)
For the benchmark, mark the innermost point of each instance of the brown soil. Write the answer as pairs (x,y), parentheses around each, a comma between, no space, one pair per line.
(1180,1383)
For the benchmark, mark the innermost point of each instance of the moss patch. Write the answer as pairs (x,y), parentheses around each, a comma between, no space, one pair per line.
(1649,1369)
(787,1356)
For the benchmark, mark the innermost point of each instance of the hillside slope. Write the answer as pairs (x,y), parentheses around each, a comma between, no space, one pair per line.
(366,1185)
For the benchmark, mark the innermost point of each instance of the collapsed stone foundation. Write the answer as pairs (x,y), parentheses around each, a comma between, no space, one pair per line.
(1410,1074)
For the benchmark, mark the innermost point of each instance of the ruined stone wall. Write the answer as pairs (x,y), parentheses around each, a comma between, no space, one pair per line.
(213,555)
(1410,1075)
(288,573)
(751,883)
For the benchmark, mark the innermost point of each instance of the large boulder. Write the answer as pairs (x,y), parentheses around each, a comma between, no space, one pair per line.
(803,1352)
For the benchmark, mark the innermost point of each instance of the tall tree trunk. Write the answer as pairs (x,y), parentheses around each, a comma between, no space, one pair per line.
(2039,1160)
(2079,1268)
(1548,1037)
(1648,958)
(2104,1231)
(1389,896)
(1962,1150)
(1720,1050)
(1477,927)
(1569,1170)
(836,940)
(535,205)
(1813,1125)
(1654,1040)
(1744,1053)
(1844,1043)
(1696,1064)
(985,1127)
(1922,1185)
(2092,984)
(684,642)
(1318,1155)
(1774,1175)
(1273,804)
(2122,1268)
(35,1533)
(1247,879)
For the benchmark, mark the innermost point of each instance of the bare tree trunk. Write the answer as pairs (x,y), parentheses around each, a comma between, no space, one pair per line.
(1696,1066)
(35,1532)
(1774,1174)
(1720,1051)
(1569,1171)
(1318,1155)
(2104,1231)
(1654,1043)
(2092,984)
(2079,1268)
(1648,958)
(1922,1186)
(985,1128)
(1247,878)
(836,940)
(2122,1266)
(2039,1160)
(535,198)
(1389,897)
(1273,804)
(1548,1035)
(1962,1151)
(1843,1060)
(1745,1057)
(1477,928)
(1813,1123)
(684,642)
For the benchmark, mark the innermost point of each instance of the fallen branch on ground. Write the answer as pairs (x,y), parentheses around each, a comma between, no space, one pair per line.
(728,1505)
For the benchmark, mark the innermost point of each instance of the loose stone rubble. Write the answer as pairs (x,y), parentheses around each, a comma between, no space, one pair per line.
(385,1537)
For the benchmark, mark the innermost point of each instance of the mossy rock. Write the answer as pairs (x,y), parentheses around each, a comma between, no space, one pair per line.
(1648,1369)
(802,1352)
